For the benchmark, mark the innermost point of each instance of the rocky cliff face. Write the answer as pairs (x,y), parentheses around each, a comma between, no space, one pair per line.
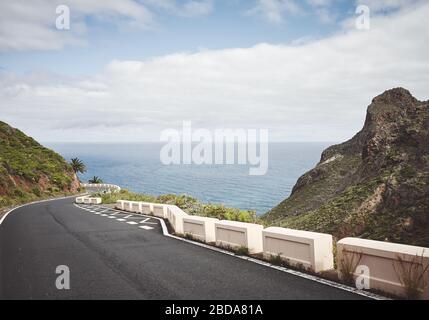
(28,171)
(375,185)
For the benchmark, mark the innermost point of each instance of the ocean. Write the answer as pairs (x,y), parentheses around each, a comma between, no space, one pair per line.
(137,167)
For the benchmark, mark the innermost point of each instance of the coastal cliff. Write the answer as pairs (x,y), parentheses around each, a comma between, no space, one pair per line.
(375,185)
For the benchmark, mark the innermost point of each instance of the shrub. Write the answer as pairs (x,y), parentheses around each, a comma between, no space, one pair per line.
(18,193)
(36,191)
(188,204)
(413,275)
(4,202)
(348,264)
(189,236)
(242,251)
(276,260)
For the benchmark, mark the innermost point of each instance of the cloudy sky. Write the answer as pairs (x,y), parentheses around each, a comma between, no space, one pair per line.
(126,70)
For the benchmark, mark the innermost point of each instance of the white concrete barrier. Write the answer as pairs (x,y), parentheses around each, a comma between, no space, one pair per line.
(313,251)
(127,206)
(80,199)
(160,210)
(201,228)
(120,204)
(146,208)
(387,263)
(239,234)
(135,207)
(95,200)
(101,187)
(88,200)
(175,216)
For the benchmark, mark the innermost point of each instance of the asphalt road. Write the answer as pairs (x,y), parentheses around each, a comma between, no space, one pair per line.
(118,256)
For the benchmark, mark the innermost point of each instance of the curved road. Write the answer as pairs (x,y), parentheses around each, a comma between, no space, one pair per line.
(120,256)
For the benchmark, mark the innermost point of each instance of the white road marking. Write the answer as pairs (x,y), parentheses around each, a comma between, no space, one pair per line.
(132,222)
(134,217)
(122,220)
(145,221)
(146,228)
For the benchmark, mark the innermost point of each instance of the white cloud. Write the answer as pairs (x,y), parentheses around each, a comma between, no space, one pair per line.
(30,25)
(197,8)
(190,8)
(320,3)
(273,10)
(277,11)
(385,5)
(318,90)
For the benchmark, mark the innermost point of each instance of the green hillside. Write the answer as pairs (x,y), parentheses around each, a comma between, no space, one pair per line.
(29,171)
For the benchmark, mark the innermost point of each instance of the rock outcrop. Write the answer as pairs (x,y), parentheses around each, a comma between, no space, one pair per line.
(375,185)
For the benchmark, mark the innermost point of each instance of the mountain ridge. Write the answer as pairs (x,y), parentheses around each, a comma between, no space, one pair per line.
(374,185)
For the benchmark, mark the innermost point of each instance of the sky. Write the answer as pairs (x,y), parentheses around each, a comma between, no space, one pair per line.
(127,70)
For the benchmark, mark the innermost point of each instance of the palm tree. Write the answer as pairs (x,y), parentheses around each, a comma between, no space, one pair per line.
(95,180)
(78,165)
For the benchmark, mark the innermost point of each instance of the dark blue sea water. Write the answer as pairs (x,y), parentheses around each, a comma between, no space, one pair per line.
(138,167)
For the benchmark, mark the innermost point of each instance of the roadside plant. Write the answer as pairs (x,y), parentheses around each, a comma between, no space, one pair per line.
(413,275)
(189,236)
(277,260)
(242,251)
(348,264)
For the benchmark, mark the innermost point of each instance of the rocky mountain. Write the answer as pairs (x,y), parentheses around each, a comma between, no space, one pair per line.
(375,185)
(29,171)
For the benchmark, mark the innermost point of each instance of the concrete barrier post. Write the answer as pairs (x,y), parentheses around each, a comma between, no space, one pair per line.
(119,205)
(95,201)
(310,250)
(239,234)
(392,268)
(146,208)
(175,216)
(201,228)
(135,207)
(127,206)
(80,199)
(160,210)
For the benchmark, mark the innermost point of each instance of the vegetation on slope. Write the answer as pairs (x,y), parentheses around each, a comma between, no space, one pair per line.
(188,204)
(29,171)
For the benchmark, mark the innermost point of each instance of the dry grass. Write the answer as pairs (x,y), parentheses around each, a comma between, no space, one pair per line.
(277,260)
(413,275)
(348,264)
(241,251)
(189,236)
